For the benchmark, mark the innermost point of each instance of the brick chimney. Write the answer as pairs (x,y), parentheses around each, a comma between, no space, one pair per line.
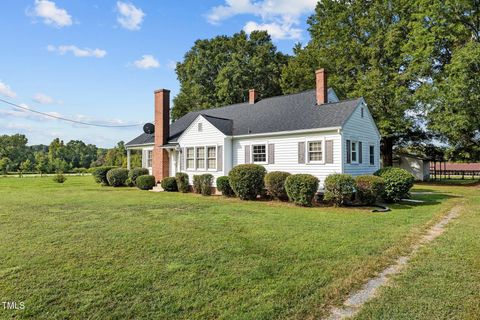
(252,96)
(160,161)
(322,86)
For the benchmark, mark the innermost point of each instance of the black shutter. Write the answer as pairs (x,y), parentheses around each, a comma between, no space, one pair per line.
(360,153)
(349,159)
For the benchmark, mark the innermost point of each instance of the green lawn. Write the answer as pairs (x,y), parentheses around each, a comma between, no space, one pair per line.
(81,251)
(443,280)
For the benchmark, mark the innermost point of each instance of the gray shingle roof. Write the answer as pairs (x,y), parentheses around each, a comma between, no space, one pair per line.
(283,113)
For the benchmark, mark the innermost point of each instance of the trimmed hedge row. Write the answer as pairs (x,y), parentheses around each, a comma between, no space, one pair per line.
(248,181)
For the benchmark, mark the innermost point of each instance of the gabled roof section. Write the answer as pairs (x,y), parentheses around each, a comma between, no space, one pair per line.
(224,125)
(291,112)
(142,139)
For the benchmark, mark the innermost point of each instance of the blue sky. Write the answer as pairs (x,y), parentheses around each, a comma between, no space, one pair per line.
(100,61)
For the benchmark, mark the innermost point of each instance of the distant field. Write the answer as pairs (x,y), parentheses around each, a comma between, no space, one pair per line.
(81,251)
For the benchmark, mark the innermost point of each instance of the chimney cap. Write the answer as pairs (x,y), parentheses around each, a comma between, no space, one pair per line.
(161,90)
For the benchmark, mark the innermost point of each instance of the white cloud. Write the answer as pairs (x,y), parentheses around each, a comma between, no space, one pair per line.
(276,30)
(130,17)
(147,62)
(278,17)
(42,98)
(78,52)
(6,91)
(51,14)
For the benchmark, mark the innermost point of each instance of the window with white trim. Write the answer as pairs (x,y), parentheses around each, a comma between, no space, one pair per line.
(149,158)
(354,152)
(190,158)
(259,153)
(372,155)
(200,127)
(315,151)
(211,157)
(200,158)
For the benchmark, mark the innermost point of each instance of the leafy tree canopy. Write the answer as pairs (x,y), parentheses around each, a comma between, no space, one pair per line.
(361,43)
(220,71)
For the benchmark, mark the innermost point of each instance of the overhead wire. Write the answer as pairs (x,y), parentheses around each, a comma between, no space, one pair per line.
(69,120)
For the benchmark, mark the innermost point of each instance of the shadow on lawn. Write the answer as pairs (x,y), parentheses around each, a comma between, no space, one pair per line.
(428,199)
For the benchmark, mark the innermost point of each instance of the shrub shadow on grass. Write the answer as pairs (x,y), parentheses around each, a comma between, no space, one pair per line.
(428,200)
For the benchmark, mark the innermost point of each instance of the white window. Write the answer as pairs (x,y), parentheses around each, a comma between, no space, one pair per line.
(315,151)
(259,153)
(354,152)
(200,158)
(372,155)
(149,158)
(211,157)
(190,158)
(200,127)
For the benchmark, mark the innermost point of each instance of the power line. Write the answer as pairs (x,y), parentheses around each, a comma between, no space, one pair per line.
(70,120)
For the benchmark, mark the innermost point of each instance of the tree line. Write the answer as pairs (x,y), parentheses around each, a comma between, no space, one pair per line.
(416,62)
(73,156)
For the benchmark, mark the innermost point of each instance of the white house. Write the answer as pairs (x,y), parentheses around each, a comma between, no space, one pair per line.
(308,132)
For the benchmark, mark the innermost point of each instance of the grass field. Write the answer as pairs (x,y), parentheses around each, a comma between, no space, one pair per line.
(443,280)
(81,251)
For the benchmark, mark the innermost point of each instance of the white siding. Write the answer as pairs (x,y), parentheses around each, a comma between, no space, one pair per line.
(364,130)
(144,158)
(209,136)
(286,153)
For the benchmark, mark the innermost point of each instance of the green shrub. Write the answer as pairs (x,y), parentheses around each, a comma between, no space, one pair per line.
(246,180)
(197,184)
(301,188)
(137,172)
(223,185)
(59,178)
(398,183)
(369,188)
(145,182)
(117,177)
(182,181)
(338,188)
(169,184)
(275,184)
(129,183)
(100,174)
(206,184)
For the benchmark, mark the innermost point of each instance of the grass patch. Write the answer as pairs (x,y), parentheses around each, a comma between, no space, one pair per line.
(79,250)
(443,279)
